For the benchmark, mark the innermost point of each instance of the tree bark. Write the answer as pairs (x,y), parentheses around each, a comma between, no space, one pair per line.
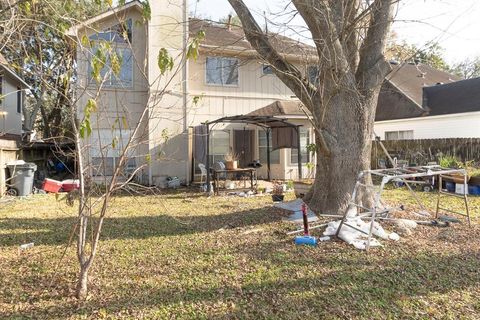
(349,134)
(82,284)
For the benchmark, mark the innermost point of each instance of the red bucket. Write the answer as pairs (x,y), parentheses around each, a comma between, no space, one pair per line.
(70,185)
(51,185)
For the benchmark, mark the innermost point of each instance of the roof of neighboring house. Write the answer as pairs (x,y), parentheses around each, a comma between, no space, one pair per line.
(458,97)
(281,108)
(224,37)
(402,94)
(4,64)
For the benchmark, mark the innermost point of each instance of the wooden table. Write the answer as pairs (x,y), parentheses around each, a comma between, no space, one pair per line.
(252,172)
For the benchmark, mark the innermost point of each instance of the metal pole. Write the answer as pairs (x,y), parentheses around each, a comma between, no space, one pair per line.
(208,159)
(300,176)
(374,213)
(305,219)
(268,153)
(465,192)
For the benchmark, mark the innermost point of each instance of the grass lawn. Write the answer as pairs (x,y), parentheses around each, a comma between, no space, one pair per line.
(184,256)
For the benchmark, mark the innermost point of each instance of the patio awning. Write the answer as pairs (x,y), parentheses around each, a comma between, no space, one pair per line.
(262,121)
(284,135)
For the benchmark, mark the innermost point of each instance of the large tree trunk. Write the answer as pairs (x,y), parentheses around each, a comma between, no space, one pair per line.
(348,126)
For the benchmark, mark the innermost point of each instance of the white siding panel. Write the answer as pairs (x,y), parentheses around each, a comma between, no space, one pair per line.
(465,125)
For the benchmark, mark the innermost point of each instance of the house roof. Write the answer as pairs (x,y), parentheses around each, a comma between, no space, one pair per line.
(458,97)
(221,37)
(218,36)
(4,64)
(281,108)
(406,82)
(412,78)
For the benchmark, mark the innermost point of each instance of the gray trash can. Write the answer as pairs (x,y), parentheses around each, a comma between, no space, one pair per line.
(22,177)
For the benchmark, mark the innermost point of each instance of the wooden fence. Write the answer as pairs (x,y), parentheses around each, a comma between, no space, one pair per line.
(420,152)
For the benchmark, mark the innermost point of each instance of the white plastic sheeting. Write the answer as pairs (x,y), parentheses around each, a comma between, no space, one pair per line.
(355,237)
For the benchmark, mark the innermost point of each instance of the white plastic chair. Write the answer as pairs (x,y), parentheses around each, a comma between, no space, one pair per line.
(203,172)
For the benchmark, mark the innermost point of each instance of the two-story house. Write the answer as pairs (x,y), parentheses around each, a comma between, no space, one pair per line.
(228,78)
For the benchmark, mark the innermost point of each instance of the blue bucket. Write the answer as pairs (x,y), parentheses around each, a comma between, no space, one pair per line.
(473,189)
(450,186)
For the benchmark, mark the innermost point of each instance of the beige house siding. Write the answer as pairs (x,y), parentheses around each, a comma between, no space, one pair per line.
(115,103)
(169,157)
(254,91)
(170,97)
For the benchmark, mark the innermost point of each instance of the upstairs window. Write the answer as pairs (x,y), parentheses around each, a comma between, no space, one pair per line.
(119,36)
(119,33)
(222,71)
(124,79)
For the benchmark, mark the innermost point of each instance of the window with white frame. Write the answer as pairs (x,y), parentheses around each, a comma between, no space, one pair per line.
(304,142)
(120,38)
(222,71)
(219,145)
(262,149)
(399,135)
(119,33)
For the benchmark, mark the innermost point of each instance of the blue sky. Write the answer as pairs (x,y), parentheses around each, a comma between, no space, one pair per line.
(454,24)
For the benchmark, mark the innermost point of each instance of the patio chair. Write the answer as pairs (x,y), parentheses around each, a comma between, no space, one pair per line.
(203,173)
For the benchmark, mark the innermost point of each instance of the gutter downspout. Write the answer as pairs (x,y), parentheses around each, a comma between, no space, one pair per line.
(185,88)
(149,95)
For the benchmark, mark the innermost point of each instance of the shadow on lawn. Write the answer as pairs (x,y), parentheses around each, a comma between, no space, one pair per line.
(57,231)
(349,292)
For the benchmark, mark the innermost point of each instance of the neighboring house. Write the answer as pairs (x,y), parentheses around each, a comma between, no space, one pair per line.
(227,79)
(440,106)
(12,97)
(12,93)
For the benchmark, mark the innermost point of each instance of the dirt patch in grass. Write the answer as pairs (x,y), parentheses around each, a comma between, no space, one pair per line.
(184,256)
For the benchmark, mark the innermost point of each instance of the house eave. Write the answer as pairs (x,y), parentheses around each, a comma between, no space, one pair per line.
(16,77)
(242,52)
(73,31)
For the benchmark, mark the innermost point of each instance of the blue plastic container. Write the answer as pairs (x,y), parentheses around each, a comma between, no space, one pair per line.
(450,186)
(305,240)
(473,189)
